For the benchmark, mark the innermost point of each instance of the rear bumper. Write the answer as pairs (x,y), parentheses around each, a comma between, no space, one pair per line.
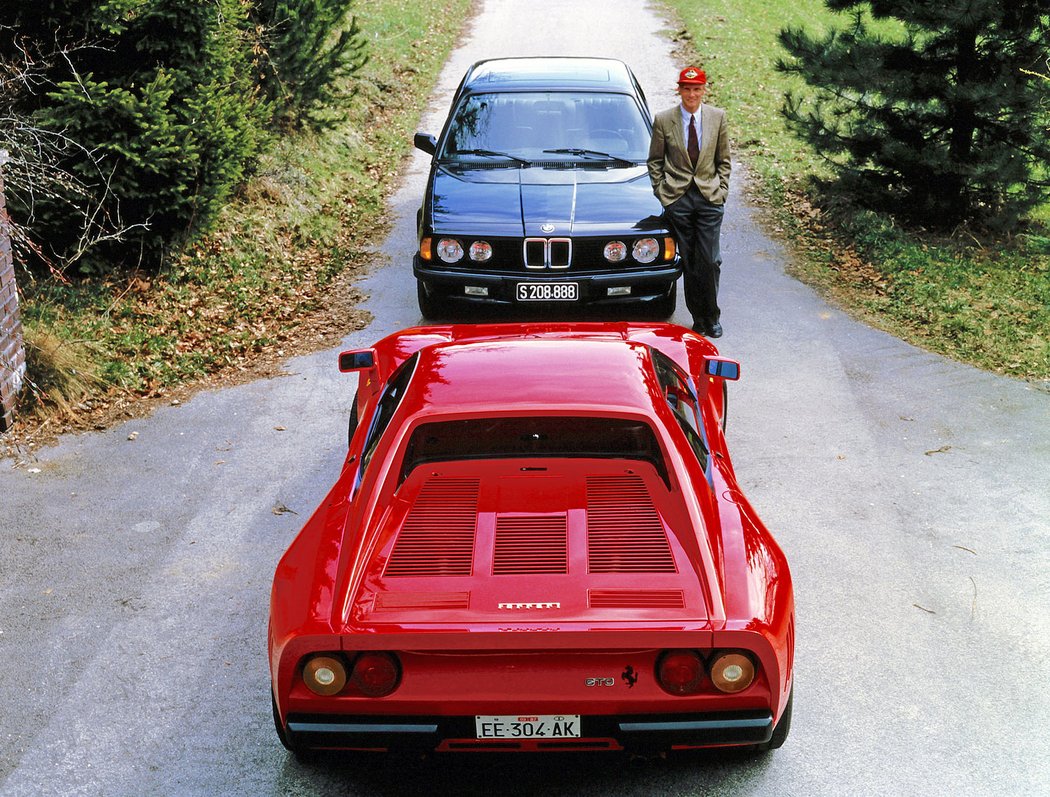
(642,733)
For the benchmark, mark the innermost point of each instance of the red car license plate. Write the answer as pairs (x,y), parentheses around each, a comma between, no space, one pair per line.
(543,726)
(548,291)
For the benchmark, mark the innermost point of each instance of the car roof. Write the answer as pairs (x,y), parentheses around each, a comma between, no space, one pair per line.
(562,72)
(552,376)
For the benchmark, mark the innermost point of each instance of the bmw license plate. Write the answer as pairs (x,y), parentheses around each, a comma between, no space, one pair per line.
(543,726)
(548,291)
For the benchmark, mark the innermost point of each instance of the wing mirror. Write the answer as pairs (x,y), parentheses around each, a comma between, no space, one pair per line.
(722,367)
(357,360)
(425,142)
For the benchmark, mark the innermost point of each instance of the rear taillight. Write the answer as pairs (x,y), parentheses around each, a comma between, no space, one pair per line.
(680,672)
(732,671)
(324,675)
(376,674)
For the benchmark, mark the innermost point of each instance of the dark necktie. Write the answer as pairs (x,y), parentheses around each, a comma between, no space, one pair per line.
(694,143)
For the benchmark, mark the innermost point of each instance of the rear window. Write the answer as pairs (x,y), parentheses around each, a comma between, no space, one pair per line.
(544,436)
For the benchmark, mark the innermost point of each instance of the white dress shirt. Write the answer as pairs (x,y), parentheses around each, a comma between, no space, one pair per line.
(685,125)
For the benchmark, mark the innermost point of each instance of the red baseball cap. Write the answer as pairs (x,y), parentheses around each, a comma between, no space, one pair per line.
(691,76)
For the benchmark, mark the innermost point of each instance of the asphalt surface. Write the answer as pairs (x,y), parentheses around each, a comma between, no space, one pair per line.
(909,492)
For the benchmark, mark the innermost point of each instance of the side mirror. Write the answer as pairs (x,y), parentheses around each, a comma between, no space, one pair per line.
(357,360)
(722,367)
(425,142)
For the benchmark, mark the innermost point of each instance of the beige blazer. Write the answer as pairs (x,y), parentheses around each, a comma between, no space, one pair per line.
(670,169)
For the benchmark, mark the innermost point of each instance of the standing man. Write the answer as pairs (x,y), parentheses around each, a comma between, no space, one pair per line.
(689,165)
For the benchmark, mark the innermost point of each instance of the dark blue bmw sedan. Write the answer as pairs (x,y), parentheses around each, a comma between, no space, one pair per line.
(538,193)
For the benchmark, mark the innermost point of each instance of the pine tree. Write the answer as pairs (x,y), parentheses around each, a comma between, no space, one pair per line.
(310,51)
(153,108)
(937,117)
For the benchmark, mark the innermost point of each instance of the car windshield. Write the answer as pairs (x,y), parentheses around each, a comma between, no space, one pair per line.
(532,125)
(532,436)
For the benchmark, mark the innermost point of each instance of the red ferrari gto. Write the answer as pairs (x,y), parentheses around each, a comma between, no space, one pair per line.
(537,542)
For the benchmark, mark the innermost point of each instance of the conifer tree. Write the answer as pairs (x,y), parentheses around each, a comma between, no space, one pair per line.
(930,108)
(155,113)
(310,51)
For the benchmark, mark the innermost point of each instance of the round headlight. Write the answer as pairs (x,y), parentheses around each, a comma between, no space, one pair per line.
(376,674)
(732,672)
(645,250)
(449,250)
(615,251)
(680,672)
(324,675)
(480,251)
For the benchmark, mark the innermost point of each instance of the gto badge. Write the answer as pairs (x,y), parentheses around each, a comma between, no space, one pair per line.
(547,227)
(548,605)
(600,682)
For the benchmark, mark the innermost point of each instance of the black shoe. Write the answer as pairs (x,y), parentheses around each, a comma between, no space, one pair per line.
(714,330)
(699,329)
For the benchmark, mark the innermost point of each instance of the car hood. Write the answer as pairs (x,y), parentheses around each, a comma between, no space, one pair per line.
(515,202)
(556,543)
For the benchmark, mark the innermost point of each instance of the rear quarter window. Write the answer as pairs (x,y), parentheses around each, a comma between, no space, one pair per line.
(393,394)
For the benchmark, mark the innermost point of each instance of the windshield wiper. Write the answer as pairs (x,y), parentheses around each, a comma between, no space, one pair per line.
(591,153)
(491,153)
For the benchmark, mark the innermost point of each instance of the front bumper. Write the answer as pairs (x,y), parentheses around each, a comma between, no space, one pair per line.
(649,733)
(645,284)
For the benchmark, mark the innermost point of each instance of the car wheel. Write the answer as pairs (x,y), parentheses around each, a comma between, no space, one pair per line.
(780,733)
(430,304)
(282,733)
(664,307)
(352,424)
(302,755)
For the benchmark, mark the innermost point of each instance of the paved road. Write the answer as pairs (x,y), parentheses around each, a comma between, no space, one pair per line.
(909,492)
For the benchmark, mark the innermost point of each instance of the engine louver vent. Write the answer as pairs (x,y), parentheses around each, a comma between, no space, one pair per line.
(636,599)
(624,531)
(530,544)
(422,600)
(438,536)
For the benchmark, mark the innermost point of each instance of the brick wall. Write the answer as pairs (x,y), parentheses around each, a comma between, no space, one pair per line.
(12,350)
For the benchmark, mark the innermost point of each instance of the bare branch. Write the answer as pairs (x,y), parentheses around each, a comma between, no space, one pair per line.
(37,172)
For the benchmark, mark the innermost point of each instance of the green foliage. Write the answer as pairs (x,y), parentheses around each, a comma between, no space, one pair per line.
(936,119)
(986,302)
(275,276)
(959,299)
(153,109)
(308,54)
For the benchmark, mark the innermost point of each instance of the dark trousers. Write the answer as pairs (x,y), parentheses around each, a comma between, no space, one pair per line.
(697,224)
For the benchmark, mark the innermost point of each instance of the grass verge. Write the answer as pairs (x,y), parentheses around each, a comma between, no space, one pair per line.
(984,302)
(275,278)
